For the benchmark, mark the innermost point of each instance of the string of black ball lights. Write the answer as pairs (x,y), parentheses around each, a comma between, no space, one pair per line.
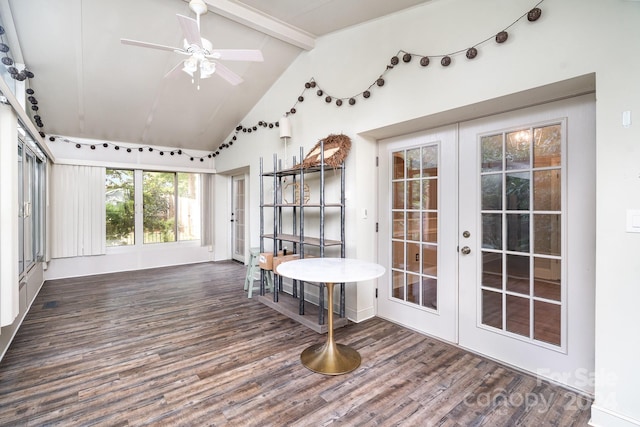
(140,149)
(445,60)
(20,76)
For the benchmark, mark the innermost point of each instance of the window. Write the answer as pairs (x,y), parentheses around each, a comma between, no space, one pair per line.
(120,207)
(170,207)
(31,196)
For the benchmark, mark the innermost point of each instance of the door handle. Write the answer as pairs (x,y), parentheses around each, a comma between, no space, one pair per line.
(466,250)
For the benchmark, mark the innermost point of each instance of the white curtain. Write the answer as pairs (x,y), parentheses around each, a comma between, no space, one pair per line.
(206,204)
(78,215)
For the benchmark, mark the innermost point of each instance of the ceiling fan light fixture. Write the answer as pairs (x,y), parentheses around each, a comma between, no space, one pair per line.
(207,68)
(190,66)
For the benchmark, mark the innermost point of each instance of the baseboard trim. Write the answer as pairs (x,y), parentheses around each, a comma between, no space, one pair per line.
(602,417)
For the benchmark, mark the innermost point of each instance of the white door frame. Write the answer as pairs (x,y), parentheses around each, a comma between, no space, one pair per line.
(235,221)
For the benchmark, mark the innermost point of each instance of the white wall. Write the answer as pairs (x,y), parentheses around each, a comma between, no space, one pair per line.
(572,38)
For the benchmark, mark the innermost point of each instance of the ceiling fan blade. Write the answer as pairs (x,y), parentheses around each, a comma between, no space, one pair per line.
(150,45)
(190,30)
(237,55)
(228,75)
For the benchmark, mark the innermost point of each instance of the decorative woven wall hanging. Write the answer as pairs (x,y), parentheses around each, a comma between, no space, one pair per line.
(336,149)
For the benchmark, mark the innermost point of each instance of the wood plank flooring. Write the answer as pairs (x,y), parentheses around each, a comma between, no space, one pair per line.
(185,346)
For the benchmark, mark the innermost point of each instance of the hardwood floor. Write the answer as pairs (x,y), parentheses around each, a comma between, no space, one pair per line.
(185,346)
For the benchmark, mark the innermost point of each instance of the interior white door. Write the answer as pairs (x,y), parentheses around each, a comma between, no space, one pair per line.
(238,217)
(418,220)
(527,239)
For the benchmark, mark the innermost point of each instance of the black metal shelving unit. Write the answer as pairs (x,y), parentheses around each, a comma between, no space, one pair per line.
(299,237)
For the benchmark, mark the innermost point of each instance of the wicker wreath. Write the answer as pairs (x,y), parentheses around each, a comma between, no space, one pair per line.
(336,149)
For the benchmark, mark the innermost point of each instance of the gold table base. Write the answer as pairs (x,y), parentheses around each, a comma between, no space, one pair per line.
(330,358)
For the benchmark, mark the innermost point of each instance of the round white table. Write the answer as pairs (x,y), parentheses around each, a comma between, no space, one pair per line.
(330,358)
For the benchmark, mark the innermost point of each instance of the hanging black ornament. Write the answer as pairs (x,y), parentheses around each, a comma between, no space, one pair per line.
(472,53)
(406,57)
(21,76)
(300,98)
(105,145)
(217,153)
(51,138)
(30,91)
(277,124)
(117,147)
(12,70)
(7,61)
(255,128)
(29,74)
(394,60)
(352,101)
(270,125)
(534,14)
(338,102)
(1,30)
(93,147)
(41,134)
(380,82)
(180,152)
(244,130)
(319,92)
(292,111)
(78,145)
(230,142)
(209,156)
(366,94)
(36,117)
(191,159)
(35,107)
(162,153)
(327,99)
(4,48)
(307,85)
(313,84)
(128,150)
(140,149)
(446,61)
(234,137)
(238,128)
(502,37)
(150,149)
(31,98)
(201,159)
(249,130)
(260,123)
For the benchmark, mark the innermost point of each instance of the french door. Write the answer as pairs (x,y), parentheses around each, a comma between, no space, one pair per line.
(238,217)
(418,235)
(515,248)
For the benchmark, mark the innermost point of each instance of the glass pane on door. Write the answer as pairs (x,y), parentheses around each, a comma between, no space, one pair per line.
(520,182)
(238,216)
(415,217)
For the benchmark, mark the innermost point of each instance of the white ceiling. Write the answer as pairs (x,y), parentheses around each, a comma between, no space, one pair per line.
(89,85)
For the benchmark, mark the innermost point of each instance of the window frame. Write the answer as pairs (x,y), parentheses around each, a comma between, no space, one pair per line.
(139,213)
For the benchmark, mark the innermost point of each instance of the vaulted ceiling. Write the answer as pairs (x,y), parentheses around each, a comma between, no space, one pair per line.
(90,85)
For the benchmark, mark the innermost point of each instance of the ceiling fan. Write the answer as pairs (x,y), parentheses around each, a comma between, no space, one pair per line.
(203,60)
